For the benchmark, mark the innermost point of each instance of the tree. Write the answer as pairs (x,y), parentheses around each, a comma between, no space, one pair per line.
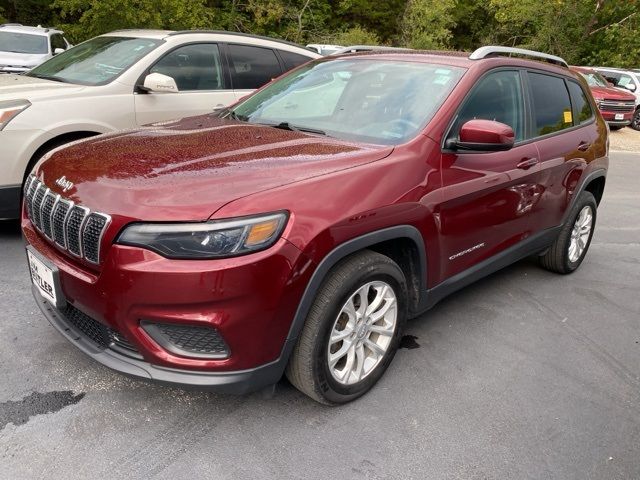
(427,24)
(87,18)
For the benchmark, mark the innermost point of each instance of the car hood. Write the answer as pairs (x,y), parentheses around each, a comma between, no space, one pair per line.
(610,93)
(187,170)
(15,87)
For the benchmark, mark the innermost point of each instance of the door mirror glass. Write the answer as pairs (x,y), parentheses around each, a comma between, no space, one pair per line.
(159,83)
(484,136)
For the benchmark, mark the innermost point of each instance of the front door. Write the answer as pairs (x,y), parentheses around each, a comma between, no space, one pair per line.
(198,72)
(489,198)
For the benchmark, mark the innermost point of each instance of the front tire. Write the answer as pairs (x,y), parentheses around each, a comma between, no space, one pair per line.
(570,247)
(352,330)
(635,122)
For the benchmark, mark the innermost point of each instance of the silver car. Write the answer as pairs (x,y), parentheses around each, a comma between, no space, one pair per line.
(23,48)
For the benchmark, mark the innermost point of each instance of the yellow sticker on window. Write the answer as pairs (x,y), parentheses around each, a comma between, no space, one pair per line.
(568,118)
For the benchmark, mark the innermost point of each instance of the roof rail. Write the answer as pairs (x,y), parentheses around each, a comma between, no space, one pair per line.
(11,25)
(240,34)
(493,51)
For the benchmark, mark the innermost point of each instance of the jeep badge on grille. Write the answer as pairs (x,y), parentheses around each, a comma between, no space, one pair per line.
(65,184)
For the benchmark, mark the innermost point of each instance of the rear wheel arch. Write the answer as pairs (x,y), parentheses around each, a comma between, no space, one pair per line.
(596,187)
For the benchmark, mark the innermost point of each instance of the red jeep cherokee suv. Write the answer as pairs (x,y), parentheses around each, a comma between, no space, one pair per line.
(297,231)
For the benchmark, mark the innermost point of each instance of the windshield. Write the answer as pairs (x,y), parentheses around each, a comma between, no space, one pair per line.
(594,79)
(368,100)
(23,43)
(96,61)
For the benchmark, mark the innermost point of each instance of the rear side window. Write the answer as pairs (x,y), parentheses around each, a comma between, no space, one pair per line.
(292,60)
(551,104)
(581,107)
(498,96)
(252,67)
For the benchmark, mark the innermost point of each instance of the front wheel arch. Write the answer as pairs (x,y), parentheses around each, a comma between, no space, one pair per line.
(368,241)
(53,143)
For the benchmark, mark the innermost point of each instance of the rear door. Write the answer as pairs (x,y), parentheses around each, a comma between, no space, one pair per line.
(489,197)
(197,69)
(564,129)
(251,67)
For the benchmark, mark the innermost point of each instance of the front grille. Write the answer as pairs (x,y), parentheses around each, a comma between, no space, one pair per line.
(188,340)
(95,331)
(620,107)
(72,227)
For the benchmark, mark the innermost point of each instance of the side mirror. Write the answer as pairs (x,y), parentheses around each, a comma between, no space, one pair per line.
(58,50)
(159,83)
(631,87)
(483,136)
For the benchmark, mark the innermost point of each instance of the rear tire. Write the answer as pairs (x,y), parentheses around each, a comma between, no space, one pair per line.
(570,247)
(339,354)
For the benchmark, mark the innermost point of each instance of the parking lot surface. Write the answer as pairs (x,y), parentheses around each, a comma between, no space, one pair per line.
(525,374)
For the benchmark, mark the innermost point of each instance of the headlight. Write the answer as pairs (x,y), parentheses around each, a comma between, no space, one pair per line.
(10,109)
(216,239)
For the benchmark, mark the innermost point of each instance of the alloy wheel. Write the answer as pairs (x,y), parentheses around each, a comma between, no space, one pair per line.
(580,234)
(362,332)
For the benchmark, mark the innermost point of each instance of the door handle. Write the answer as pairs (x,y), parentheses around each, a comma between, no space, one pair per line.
(584,146)
(527,163)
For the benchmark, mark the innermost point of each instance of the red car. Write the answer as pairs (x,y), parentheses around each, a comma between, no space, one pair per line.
(616,106)
(297,231)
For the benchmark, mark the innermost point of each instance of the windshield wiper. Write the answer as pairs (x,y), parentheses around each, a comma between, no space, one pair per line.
(226,112)
(47,77)
(296,128)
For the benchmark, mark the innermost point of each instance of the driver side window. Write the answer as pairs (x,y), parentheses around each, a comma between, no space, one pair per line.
(193,67)
(498,97)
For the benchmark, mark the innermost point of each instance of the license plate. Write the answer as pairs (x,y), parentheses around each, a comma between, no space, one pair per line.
(619,116)
(45,278)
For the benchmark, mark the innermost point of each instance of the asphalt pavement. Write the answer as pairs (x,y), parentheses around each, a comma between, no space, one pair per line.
(525,374)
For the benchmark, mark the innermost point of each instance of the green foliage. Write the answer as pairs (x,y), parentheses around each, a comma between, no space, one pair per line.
(87,18)
(427,24)
(381,17)
(355,36)
(595,32)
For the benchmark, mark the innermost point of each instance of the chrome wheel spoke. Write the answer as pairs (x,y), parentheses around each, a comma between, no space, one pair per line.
(342,351)
(374,347)
(359,365)
(338,335)
(380,293)
(382,330)
(382,311)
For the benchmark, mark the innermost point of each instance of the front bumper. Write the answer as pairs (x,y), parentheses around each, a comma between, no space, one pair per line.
(610,118)
(236,382)
(249,300)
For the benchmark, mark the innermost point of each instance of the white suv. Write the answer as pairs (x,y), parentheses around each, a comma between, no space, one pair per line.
(123,80)
(22,48)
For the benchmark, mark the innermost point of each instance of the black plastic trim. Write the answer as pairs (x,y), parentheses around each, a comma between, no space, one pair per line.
(236,382)
(601,172)
(347,248)
(10,202)
(529,246)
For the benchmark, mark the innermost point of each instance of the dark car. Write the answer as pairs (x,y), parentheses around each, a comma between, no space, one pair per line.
(616,106)
(297,231)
